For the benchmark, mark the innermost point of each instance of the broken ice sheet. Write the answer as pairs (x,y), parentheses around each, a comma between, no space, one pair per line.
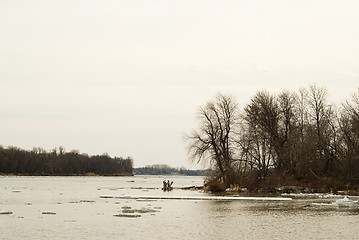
(141,210)
(343,203)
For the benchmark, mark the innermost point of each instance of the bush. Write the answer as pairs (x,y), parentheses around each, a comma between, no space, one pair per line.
(214,184)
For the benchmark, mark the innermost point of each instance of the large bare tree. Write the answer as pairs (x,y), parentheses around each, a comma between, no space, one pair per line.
(320,116)
(262,118)
(214,140)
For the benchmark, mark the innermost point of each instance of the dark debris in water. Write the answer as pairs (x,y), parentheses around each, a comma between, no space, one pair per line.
(6,212)
(49,213)
(87,201)
(127,215)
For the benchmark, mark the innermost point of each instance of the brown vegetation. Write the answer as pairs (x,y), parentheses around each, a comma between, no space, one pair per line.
(293,138)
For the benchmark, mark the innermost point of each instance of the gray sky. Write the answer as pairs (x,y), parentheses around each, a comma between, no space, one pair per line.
(126,77)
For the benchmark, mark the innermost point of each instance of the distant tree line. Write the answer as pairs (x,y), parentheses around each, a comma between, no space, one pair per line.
(14,160)
(290,135)
(159,169)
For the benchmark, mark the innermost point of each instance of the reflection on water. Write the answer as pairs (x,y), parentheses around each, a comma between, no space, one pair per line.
(78,212)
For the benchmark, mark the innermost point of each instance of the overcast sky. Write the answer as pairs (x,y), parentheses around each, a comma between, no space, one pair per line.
(127,77)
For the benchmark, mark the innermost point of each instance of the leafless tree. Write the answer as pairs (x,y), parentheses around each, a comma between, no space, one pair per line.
(257,154)
(320,113)
(288,133)
(292,134)
(214,140)
(261,138)
(349,140)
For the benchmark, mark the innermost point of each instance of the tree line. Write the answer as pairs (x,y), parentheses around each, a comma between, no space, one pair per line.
(291,135)
(38,161)
(159,169)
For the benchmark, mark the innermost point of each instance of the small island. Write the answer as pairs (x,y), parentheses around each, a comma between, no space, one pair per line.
(291,141)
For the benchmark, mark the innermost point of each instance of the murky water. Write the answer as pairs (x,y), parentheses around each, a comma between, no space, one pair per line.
(71,208)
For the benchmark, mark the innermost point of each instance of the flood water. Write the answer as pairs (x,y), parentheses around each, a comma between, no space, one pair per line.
(71,208)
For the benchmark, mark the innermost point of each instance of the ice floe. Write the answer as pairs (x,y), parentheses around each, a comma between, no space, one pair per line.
(218,198)
(345,203)
(141,210)
(311,195)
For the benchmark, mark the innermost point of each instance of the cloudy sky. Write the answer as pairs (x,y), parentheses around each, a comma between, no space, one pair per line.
(126,77)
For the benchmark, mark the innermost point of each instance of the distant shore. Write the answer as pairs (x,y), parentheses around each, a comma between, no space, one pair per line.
(67,175)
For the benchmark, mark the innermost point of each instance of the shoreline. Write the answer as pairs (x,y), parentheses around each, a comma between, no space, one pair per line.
(67,175)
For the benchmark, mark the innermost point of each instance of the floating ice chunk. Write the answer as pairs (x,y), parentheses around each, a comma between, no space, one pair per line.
(323,205)
(146,210)
(218,198)
(146,200)
(339,204)
(301,195)
(347,203)
(142,210)
(329,195)
(345,199)
(311,195)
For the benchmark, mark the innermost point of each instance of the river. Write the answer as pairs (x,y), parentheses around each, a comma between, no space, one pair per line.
(72,208)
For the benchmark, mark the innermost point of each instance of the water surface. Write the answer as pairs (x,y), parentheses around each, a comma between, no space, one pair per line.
(71,208)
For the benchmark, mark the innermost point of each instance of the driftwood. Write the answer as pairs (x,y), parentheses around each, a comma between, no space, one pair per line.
(167,185)
(192,188)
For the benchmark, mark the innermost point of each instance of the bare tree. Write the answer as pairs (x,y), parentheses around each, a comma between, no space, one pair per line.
(295,135)
(318,111)
(320,114)
(301,112)
(257,154)
(349,140)
(261,130)
(214,140)
(288,132)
